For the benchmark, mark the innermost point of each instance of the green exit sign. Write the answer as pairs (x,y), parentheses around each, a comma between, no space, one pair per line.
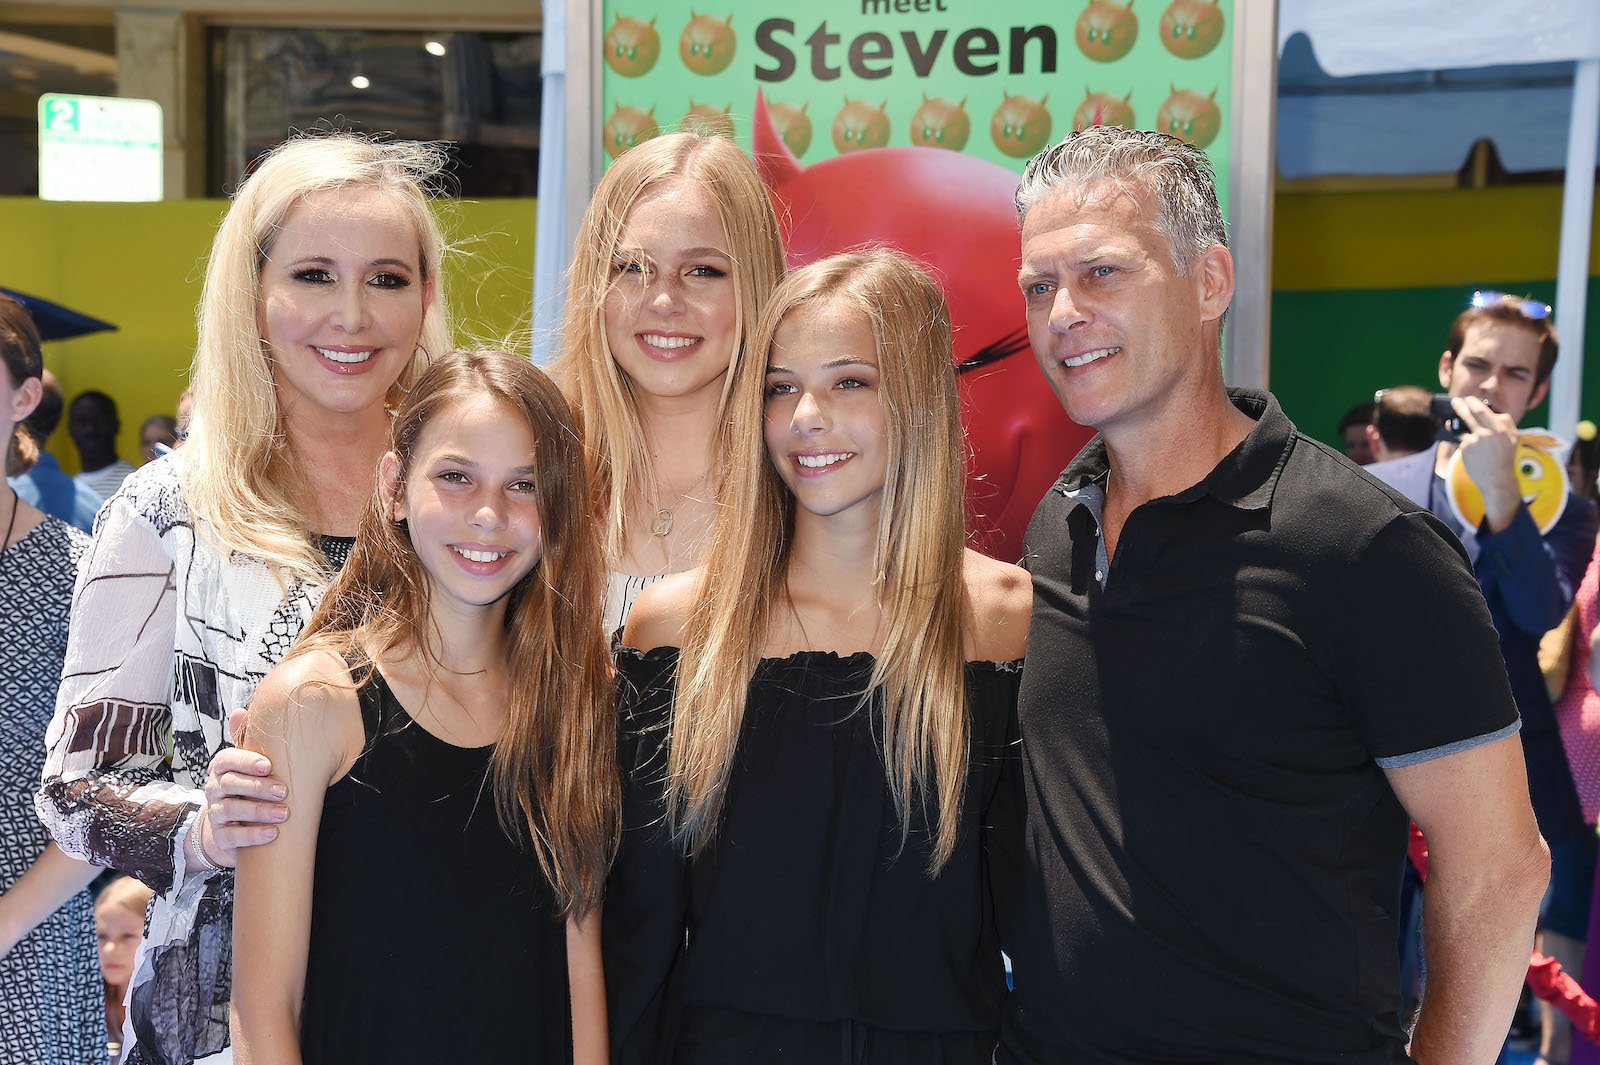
(99,148)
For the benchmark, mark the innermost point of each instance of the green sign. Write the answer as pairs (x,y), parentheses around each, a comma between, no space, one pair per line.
(997,81)
(99,148)
(907,123)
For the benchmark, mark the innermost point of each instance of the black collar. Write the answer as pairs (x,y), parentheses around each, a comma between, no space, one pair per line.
(1245,478)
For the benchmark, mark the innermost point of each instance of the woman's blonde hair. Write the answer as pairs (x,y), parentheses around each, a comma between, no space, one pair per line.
(237,468)
(920,669)
(555,766)
(619,458)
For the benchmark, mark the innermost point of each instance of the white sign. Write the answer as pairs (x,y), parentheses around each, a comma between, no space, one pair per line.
(99,148)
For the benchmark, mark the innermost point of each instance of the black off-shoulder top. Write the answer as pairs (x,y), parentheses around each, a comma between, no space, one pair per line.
(808,931)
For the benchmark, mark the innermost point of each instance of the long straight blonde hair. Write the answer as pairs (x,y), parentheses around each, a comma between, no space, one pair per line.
(237,467)
(555,765)
(920,670)
(619,458)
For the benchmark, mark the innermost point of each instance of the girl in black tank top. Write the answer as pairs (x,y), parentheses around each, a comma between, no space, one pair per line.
(818,727)
(445,732)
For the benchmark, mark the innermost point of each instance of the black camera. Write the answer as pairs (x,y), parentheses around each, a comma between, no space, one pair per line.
(1445,415)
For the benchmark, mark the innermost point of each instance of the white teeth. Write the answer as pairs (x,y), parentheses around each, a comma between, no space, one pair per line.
(1089,356)
(479,556)
(656,341)
(346,357)
(816,462)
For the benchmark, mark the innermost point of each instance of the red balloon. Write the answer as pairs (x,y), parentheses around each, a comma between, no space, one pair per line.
(954,213)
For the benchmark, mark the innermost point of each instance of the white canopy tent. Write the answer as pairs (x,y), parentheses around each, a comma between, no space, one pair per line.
(1357,37)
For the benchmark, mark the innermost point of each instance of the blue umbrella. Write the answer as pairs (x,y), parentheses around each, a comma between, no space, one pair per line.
(56,322)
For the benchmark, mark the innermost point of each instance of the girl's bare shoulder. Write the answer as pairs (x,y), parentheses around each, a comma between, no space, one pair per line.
(662,610)
(307,700)
(1000,601)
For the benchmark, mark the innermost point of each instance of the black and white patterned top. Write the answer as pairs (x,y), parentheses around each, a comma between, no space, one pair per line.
(621,591)
(168,635)
(51,997)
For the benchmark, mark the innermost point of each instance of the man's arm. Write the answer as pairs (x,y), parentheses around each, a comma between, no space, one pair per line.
(1488,869)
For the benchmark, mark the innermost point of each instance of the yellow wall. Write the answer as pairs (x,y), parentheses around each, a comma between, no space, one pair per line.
(140,266)
(1400,239)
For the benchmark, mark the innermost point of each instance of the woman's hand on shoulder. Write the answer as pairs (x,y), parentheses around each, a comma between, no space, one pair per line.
(1000,598)
(244,801)
(662,610)
(304,723)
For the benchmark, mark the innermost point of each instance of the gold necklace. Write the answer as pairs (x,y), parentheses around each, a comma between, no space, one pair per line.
(662,526)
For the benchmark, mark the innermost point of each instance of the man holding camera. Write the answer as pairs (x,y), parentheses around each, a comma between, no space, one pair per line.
(1496,367)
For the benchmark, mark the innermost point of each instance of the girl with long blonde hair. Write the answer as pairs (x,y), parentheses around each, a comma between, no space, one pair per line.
(816,719)
(674,260)
(323,300)
(446,732)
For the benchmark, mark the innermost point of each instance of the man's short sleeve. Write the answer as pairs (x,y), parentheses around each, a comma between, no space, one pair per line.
(1416,657)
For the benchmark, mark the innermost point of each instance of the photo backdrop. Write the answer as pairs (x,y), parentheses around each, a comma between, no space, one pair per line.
(908,122)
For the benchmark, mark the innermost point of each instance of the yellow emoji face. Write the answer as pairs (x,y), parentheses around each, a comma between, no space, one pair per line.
(1541,477)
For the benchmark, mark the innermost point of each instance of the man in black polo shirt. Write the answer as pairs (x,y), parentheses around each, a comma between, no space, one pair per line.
(1224,729)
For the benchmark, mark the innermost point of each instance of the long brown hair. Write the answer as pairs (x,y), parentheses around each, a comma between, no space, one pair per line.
(920,669)
(19,352)
(619,459)
(555,769)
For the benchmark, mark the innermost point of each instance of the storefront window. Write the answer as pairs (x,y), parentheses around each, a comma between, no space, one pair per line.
(480,91)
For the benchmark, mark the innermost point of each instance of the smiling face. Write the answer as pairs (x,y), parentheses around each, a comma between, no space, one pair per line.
(342,300)
(1122,336)
(1498,364)
(117,931)
(469,504)
(672,313)
(826,432)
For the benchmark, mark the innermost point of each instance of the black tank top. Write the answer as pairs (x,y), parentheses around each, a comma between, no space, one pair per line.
(433,935)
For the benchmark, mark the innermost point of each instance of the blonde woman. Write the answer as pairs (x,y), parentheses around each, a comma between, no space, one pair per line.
(322,303)
(816,720)
(677,253)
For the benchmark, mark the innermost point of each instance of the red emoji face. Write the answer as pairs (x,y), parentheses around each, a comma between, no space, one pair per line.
(1107,30)
(626,127)
(953,213)
(793,125)
(1021,126)
(707,43)
(941,124)
(1104,109)
(860,125)
(708,120)
(632,46)
(1191,28)
(1190,116)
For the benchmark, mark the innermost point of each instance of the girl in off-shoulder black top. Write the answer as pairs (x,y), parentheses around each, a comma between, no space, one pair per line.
(810,917)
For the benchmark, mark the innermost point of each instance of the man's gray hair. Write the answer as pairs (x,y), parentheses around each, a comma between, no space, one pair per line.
(1177,175)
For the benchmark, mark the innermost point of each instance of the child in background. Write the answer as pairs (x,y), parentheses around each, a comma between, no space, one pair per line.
(118,928)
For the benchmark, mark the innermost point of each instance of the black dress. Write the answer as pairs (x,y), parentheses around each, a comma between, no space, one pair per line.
(433,935)
(805,932)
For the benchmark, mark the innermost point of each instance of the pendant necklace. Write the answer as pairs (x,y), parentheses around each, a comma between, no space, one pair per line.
(663,524)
